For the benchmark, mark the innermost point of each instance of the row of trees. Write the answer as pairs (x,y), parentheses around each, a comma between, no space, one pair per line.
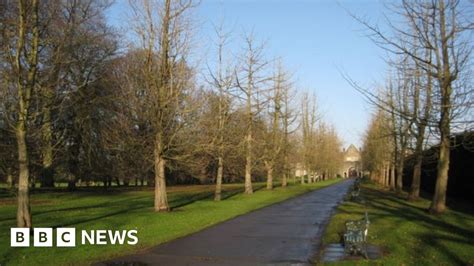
(81,103)
(428,94)
(321,151)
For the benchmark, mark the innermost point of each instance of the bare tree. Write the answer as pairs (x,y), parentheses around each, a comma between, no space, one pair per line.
(422,106)
(25,56)
(399,99)
(222,79)
(309,118)
(164,32)
(250,84)
(273,142)
(328,150)
(288,118)
(377,147)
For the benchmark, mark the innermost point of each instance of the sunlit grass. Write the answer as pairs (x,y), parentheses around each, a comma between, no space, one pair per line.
(193,210)
(406,232)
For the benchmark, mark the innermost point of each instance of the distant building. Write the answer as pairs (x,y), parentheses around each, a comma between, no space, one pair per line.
(351,167)
(352,162)
(299,170)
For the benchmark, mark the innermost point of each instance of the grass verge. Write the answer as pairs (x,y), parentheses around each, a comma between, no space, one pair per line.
(406,232)
(193,210)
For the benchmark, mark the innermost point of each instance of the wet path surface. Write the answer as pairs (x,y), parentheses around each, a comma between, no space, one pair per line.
(285,233)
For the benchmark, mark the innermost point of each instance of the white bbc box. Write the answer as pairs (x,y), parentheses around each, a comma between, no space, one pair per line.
(20,237)
(66,237)
(43,237)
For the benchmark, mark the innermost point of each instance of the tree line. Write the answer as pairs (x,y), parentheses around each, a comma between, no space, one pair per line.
(427,96)
(82,102)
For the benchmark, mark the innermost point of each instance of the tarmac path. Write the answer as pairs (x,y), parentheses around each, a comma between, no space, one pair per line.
(286,233)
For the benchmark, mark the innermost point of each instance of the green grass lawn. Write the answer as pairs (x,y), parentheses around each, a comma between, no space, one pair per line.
(406,232)
(193,210)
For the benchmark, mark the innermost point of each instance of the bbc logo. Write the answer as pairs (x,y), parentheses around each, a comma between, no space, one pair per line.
(66,237)
(43,237)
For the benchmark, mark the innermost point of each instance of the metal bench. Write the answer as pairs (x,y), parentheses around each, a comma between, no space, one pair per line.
(355,194)
(355,191)
(355,236)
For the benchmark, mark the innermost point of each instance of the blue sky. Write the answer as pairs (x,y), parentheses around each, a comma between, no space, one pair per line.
(316,39)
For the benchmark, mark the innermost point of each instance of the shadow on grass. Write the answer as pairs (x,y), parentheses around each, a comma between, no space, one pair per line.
(107,204)
(93,211)
(437,234)
(456,204)
(5,193)
(123,206)
(143,202)
(135,203)
(227,194)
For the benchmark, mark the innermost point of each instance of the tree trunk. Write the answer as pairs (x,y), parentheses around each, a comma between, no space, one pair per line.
(383,174)
(23,212)
(71,184)
(284,181)
(438,205)
(270,176)
(10,181)
(399,178)
(415,184)
(161,199)
(400,164)
(220,170)
(47,173)
(248,165)
(392,176)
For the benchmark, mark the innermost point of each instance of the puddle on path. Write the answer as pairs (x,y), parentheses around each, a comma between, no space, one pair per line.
(335,252)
